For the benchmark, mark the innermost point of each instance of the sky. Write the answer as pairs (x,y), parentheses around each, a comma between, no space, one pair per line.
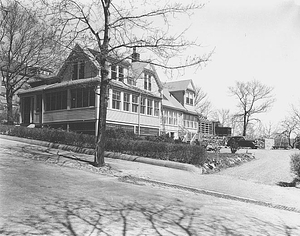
(257,39)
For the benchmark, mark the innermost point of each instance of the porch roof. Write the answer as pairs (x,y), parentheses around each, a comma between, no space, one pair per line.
(91,81)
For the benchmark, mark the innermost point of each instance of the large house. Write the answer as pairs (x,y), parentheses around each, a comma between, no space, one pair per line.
(137,99)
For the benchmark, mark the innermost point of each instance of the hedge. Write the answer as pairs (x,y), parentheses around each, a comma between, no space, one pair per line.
(117,141)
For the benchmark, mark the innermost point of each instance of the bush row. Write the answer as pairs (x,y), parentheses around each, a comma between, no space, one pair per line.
(117,141)
(183,153)
(50,135)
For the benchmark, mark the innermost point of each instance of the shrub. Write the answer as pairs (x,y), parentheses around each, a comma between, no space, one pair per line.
(295,164)
(161,138)
(117,141)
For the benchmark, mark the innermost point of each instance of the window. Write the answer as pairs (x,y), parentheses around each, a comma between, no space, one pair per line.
(149,107)
(147,82)
(126,103)
(190,98)
(121,73)
(135,103)
(143,105)
(113,71)
(170,118)
(175,118)
(78,70)
(156,108)
(82,97)
(116,99)
(56,101)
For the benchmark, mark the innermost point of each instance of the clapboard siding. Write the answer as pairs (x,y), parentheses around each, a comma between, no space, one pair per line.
(69,115)
(132,118)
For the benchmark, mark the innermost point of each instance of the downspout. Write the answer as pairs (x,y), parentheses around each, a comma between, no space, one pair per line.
(139,114)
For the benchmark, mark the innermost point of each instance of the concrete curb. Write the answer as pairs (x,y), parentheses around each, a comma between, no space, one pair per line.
(113,155)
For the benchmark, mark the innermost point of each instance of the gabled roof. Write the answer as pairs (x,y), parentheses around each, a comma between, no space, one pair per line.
(77,50)
(171,102)
(179,85)
(139,67)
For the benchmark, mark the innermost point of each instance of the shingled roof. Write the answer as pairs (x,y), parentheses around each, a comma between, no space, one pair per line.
(179,85)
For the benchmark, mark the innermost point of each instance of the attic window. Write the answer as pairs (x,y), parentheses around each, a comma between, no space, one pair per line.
(147,81)
(78,70)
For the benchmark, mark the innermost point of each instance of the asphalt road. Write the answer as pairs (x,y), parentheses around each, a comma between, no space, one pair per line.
(38,198)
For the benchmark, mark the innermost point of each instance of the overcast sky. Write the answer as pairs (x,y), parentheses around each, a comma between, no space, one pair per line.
(257,39)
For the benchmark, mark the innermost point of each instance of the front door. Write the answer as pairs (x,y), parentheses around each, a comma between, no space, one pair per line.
(27,113)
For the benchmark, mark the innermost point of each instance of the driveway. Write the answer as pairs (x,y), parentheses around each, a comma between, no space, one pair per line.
(269,167)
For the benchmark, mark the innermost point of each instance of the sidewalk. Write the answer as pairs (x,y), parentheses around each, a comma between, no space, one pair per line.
(186,177)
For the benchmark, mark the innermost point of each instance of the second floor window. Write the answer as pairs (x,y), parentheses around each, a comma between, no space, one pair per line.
(135,103)
(121,73)
(113,71)
(116,99)
(126,102)
(147,82)
(189,98)
(78,70)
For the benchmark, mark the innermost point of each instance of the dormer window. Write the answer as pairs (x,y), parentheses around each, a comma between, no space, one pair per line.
(117,72)
(113,71)
(189,98)
(78,70)
(121,73)
(147,82)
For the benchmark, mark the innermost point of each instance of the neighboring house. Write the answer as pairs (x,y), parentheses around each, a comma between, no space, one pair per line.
(180,119)
(70,99)
(212,128)
(22,76)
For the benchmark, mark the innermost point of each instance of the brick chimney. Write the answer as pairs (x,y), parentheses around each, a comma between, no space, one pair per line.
(135,56)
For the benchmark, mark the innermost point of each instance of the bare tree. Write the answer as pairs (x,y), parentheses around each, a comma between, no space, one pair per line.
(203,105)
(26,43)
(290,127)
(253,98)
(114,28)
(223,116)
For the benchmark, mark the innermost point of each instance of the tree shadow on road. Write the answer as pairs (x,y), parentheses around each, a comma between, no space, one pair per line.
(82,217)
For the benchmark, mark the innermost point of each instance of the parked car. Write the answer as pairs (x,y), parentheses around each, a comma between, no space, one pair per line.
(236,142)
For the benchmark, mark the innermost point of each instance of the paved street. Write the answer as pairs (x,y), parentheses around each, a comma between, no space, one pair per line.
(40,197)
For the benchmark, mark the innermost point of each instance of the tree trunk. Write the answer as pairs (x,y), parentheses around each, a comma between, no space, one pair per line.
(9,104)
(101,133)
(245,125)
